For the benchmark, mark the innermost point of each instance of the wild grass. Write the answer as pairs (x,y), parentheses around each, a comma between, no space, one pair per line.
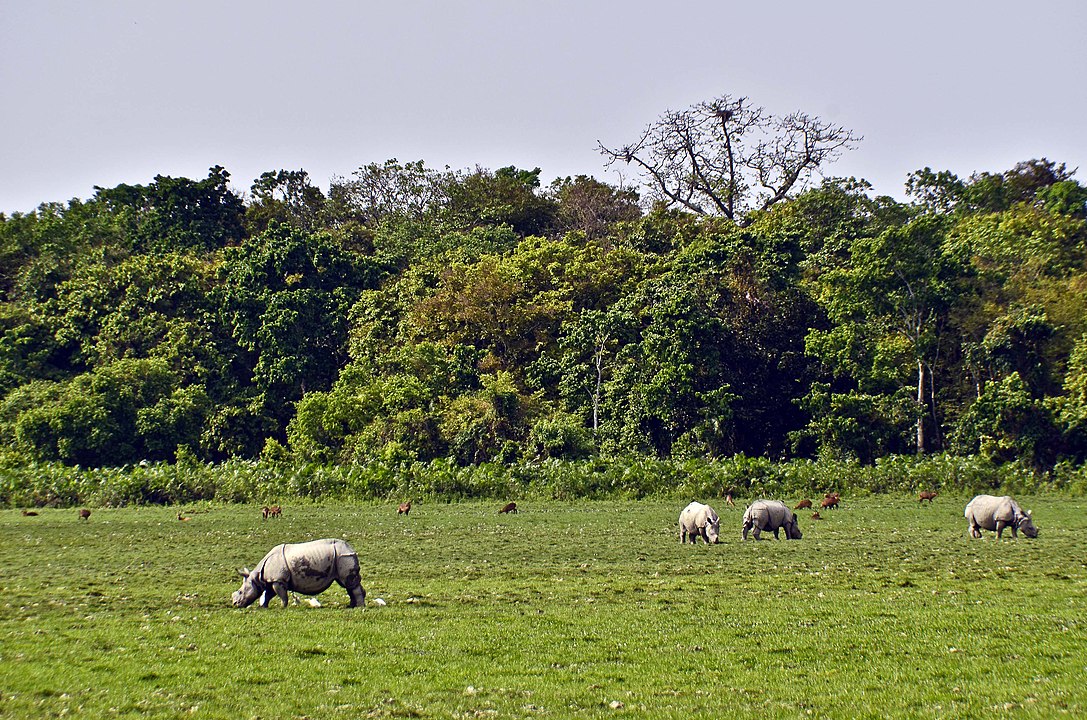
(567,609)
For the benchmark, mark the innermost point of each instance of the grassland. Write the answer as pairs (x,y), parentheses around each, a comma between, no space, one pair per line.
(580,609)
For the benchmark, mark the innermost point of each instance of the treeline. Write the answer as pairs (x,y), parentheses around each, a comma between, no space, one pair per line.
(411,315)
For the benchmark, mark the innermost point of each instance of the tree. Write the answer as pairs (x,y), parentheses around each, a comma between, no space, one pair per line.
(592,207)
(285,296)
(1006,424)
(286,196)
(1031,180)
(407,191)
(121,412)
(507,196)
(177,213)
(890,302)
(1070,409)
(728,157)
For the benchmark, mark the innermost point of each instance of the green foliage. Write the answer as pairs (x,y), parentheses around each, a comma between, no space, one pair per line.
(276,480)
(126,409)
(177,213)
(561,437)
(415,316)
(507,196)
(285,296)
(286,197)
(591,207)
(1005,424)
(1070,409)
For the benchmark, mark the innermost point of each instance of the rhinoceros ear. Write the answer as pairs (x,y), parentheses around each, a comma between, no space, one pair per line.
(244,572)
(1028,513)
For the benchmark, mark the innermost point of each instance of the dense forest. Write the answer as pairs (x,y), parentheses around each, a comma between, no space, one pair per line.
(484,316)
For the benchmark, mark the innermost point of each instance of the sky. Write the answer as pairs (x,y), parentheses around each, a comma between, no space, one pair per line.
(119,91)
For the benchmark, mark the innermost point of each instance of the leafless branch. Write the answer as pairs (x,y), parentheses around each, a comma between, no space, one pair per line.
(727,157)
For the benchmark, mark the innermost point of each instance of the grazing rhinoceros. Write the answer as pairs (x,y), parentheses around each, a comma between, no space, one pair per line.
(988,512)
(770,515)
(308,568)
(698,520)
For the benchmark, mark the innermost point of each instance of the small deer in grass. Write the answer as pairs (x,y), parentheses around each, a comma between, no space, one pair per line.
(803,504)
(510,507)
(926,495)
(84,514)
(403,508)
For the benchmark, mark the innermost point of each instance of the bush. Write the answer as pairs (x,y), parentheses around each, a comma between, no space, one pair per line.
(273,481)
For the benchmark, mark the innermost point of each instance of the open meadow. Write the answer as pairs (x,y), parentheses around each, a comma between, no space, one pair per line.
(567,609)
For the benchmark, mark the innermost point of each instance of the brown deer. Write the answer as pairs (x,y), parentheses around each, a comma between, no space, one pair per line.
(816,516)
(510,507)
(84,514)
(830,500)
(926,495)
(803,504)
(29,513)
(403,508)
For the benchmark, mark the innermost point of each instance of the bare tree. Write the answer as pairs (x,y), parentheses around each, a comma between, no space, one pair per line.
(728,157)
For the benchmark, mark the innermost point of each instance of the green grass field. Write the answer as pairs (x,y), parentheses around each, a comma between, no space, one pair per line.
(588,609)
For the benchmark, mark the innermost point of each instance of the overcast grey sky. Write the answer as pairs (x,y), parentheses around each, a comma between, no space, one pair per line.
(118,91)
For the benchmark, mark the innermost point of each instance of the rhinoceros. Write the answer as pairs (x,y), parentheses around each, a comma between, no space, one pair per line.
(699,520)
(308,568)
(770,515)
(988,512)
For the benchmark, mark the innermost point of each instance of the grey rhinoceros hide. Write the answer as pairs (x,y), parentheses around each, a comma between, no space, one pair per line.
(699,520)
(989,512)
(308,568)
(771,515)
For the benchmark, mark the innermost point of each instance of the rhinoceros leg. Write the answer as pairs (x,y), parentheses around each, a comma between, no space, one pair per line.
(705,536)
(757,532)
(776,536)
(281,590)
(1000,525)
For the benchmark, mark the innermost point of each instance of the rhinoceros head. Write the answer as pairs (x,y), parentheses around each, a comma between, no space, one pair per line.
(1025,524)
(250,590)
(792,529)
(713,531)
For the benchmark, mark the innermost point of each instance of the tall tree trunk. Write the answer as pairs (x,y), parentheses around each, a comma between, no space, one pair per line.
(599,360)
(920,402)
(939,436)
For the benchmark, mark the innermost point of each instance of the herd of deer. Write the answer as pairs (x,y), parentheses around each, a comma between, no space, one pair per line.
(830,500)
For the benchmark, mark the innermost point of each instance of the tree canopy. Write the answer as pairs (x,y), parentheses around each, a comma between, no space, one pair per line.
(487,316)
